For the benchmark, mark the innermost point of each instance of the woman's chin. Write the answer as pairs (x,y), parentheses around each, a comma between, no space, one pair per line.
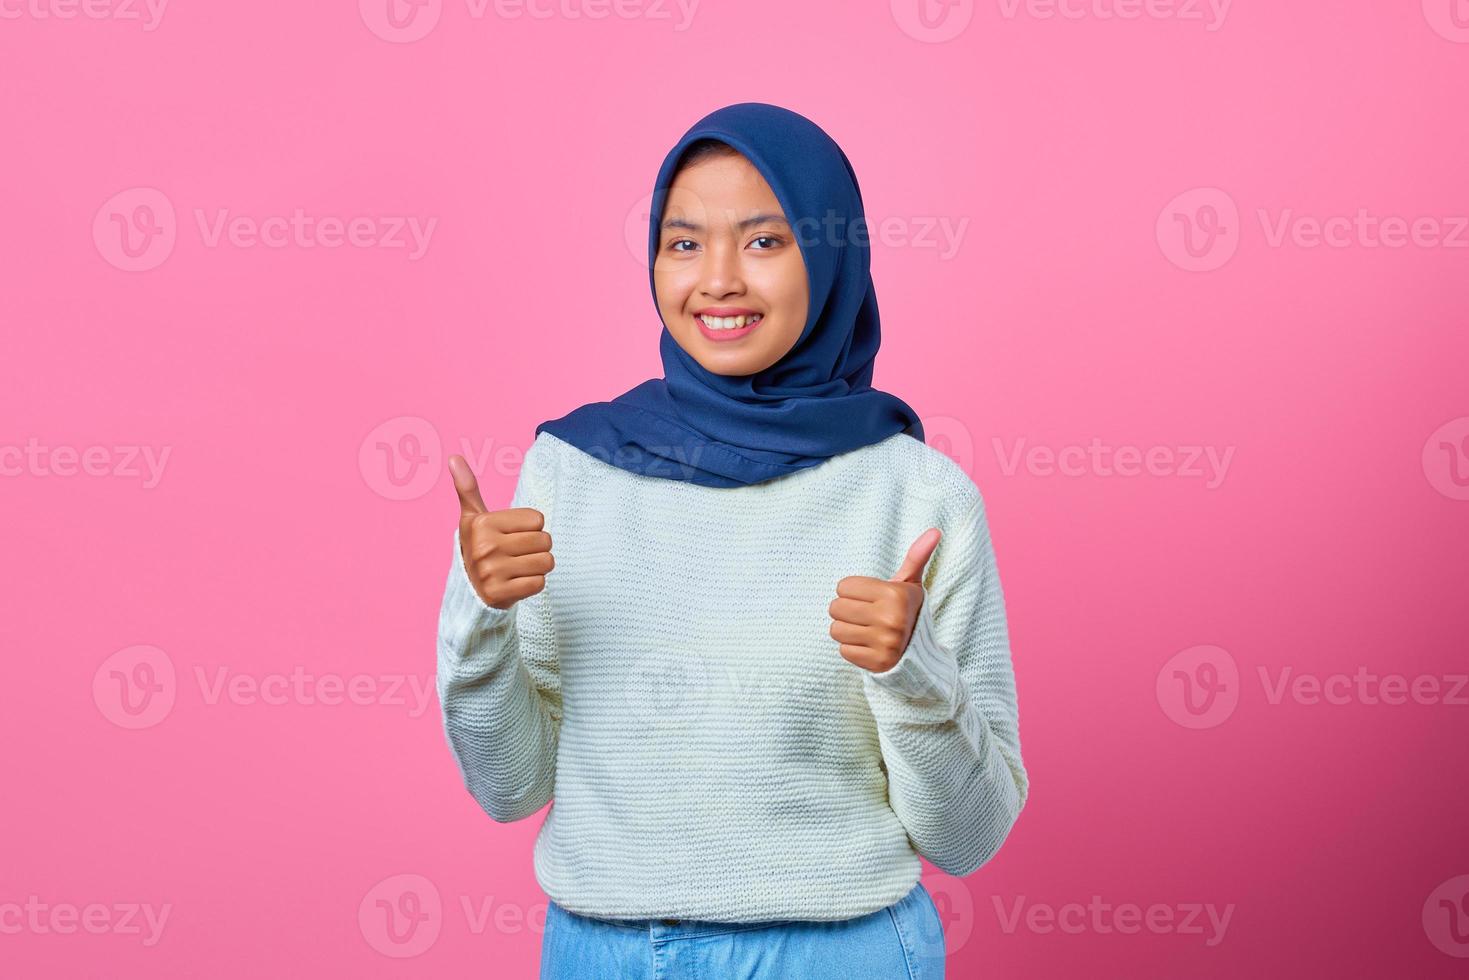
(726,362)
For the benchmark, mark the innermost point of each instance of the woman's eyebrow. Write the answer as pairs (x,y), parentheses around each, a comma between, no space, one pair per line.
(757,219)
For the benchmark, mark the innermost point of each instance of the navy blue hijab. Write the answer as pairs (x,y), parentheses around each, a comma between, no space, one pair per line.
(817,401)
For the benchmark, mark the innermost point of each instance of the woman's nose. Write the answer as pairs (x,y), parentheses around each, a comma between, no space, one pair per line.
(722,271)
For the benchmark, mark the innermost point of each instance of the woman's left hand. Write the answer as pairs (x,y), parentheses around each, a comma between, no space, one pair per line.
(873,619)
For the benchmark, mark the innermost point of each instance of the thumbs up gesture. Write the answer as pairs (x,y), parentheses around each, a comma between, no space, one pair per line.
(873,619)
(505,552)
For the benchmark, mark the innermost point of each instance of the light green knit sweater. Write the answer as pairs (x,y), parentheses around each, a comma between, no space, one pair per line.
(676,690)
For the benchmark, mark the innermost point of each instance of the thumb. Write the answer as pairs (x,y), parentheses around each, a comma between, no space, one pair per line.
(917,557)
(466,486)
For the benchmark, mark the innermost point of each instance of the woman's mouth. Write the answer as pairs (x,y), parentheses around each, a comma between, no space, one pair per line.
(724,328)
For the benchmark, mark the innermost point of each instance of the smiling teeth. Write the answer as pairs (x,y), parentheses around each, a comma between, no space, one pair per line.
(730,322)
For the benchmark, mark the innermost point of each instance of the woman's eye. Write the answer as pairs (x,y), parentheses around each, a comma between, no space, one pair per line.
(674,246)
(767,238)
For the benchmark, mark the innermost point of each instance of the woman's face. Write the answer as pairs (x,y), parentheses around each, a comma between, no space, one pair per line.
(727,251)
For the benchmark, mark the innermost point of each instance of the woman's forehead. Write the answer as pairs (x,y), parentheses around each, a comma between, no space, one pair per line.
(739,204)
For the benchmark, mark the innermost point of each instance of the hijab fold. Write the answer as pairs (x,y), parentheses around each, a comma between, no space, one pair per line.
(817,401)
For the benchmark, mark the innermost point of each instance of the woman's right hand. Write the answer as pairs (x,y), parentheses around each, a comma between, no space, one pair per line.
(505,552)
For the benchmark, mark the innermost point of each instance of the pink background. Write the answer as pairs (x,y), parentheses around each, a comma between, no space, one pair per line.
(1115,281)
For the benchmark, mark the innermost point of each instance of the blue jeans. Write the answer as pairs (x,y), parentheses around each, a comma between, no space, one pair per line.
(904,941)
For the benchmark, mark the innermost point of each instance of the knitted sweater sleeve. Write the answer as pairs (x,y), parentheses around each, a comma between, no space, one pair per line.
(499,687)
(946,714)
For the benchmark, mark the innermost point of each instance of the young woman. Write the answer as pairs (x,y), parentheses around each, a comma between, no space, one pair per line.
(771,667)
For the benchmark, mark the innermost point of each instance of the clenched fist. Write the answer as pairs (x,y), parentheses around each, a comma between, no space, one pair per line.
(505,552)
(873,619)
